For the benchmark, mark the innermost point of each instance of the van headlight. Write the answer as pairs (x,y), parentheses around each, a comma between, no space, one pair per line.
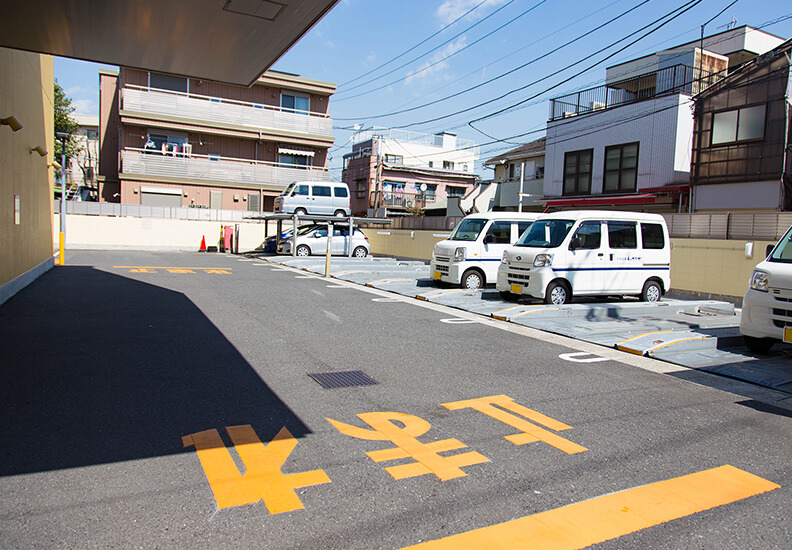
(505,258)
(543,260)
(459,254)
(759,281)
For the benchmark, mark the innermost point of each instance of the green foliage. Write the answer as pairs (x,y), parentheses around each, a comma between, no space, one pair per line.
(65,123)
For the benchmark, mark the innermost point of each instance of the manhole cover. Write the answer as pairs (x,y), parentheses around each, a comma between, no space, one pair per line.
(346,379)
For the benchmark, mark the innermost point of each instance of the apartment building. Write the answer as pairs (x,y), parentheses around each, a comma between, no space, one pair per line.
(82,168)
(628,143)
(401,171)
(742,159)
(519,177)
(173,141)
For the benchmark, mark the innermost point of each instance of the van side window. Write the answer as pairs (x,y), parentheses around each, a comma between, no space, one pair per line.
(340,191)
(320,191)
(622,235)
(590,234)
(501,231)
(652,235)
(301,190)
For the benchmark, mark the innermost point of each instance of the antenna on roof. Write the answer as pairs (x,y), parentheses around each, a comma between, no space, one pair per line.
(730,25)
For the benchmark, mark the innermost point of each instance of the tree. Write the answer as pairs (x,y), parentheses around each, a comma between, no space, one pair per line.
(65,123)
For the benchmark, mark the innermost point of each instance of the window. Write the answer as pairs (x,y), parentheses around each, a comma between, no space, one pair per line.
(301,190)
(577,172)
(622,235)
(514,170)
(168,82)
(499,233)
(320,191)
(448,165)
(621,167)
(165,143)
(394,159)
(340,192)
(522,227)
(431,164)
(430,192)
(93,134)
(293,161)
(361,190)
(738,124)
(455,191)
(652,236)
(294,103)
(590,235)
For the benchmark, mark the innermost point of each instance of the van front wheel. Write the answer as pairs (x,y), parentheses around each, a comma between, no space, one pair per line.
(651,292)
(759,346)
(472,280)
(339,213)
(557,293)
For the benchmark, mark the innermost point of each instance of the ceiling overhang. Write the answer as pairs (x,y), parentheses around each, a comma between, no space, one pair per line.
(232,41)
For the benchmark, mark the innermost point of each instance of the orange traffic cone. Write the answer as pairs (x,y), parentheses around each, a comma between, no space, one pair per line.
(203,244)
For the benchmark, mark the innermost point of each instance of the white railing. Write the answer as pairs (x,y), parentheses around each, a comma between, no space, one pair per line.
(166,212)
(206,109)
(212,168)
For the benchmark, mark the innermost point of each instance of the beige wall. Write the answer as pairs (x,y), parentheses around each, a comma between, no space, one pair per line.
(26,92)
(711,267)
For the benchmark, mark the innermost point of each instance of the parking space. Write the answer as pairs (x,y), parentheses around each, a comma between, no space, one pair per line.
(204,411)
(699,334)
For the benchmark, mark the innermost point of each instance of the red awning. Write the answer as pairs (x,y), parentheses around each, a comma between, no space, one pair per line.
(683,188)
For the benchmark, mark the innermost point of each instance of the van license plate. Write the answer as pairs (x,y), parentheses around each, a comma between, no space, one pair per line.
(788,334)
(516,289)
(437,275)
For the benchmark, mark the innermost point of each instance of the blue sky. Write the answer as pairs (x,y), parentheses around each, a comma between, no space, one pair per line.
(497,36)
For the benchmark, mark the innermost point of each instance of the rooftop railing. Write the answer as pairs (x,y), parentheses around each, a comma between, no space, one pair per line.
(207,109)
(678,79)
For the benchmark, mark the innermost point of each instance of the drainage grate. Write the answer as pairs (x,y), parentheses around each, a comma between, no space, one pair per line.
(346,379)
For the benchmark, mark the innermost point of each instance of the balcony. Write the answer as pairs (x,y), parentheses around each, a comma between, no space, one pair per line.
(210,111)
(678,79)
(202,168)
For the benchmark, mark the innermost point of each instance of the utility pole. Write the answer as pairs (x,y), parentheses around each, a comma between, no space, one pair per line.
(63,136)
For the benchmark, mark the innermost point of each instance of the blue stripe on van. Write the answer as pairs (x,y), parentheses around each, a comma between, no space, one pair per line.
(624,268)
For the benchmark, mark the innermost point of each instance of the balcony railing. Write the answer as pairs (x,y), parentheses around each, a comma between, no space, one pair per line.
(407,201)
(153,164)
(679,79)
(209,110)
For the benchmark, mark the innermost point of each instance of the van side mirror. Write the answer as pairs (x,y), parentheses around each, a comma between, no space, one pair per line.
(769,249)
(489,239)
(575,243)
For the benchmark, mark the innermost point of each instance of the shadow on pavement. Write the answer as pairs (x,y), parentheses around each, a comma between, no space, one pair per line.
(98,368)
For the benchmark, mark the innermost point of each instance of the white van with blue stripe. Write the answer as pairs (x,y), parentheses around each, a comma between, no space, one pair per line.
(469,257)
(588,253)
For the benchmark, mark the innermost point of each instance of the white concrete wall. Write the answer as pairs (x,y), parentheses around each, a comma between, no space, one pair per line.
(662,126)
(120,233)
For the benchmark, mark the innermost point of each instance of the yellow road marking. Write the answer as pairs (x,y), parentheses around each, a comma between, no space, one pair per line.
(611,516)
(263,478)
(677,341)
(644,334)
(438,293)
(505,310)
(426,455)
(384,281)
(530,432)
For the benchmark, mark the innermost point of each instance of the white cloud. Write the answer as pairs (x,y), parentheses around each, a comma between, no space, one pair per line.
(434,69)
(85,107)
(451,9)
(329,44)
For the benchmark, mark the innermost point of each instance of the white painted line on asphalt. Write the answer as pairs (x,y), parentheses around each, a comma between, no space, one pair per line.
(457,321)
(305,277)
(336,286)
(582,357)
(386,300)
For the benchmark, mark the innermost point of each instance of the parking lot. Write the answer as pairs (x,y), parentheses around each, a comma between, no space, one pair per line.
(212,401)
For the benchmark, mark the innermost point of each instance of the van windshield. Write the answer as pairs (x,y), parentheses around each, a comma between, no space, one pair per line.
(467,230)
(545,233)
(288,189)
(783,250)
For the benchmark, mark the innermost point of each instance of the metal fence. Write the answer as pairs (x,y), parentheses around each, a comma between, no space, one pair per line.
(166,212)
(766,226)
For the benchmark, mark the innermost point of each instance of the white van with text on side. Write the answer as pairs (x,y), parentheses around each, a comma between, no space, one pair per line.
(324,198)
(469,257)
(767,306)
(588,253)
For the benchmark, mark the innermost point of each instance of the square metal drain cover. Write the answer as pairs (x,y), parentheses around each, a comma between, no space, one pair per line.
(346,379)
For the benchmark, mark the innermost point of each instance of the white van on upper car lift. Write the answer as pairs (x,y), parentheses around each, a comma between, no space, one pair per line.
(324,198)
(469,257)
(767,306)
(588,253)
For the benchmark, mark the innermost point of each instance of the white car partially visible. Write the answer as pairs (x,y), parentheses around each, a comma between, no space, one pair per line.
(313,240)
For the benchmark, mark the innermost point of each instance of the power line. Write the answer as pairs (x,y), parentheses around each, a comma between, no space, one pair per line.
(430,51)
(424,41)
(465,47)
(511,71)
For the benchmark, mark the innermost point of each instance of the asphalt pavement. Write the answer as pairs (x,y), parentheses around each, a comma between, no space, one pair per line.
(174,400)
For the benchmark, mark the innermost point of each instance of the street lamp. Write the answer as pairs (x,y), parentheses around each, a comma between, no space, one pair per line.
(63,136)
